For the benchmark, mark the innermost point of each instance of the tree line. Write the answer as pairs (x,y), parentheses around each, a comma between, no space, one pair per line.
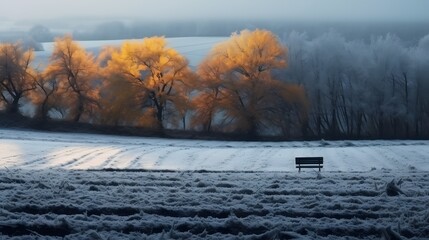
(373,89)
(251,84)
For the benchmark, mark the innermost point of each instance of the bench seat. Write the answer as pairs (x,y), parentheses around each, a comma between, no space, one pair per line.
(309,162)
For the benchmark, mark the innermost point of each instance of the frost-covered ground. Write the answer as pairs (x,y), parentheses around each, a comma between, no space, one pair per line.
(45,191)
(193,48)
(204,205)
(40,150)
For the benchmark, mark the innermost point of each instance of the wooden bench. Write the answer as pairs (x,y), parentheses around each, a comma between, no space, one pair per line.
(309,162)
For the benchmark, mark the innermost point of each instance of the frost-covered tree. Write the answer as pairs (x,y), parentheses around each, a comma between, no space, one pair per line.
(297,44)
(360,89)
(389,84)
(419,97)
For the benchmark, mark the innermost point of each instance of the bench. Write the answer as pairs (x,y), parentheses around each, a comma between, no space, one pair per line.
(309,162)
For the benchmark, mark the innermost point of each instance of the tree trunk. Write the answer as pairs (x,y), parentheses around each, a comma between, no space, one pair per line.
(319,117)
(159,113)
(13,107)
(79,110)
(209,123)
(184,122)
(407,125)
(44,110)
(359,125)
(252,131)
(380,125)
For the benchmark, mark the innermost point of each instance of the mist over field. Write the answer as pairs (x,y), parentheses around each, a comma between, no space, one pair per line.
(110,29)
(98,20)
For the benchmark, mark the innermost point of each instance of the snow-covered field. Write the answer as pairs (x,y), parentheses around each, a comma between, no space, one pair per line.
(46,192)
(194,49)
(40,150)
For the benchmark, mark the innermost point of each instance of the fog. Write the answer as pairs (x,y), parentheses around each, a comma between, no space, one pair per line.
(43,20)
(344,10)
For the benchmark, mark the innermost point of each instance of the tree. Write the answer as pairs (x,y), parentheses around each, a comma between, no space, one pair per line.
(45,96)
(361,89)
(120,103)
(389,86)
(76,72)
(17,77)
(210,86)
(119,99)
(420,87)
(160,73)
(239,87)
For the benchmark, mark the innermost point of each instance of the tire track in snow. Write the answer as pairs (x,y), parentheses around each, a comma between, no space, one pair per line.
(24,154)
(402,155)
(372,158)
(137,161)
(11,160)
(81,158)
(266,155)
(111,160)
(84,159)
(166,154)
(220,165)
(386,158)
(252,157)
(61,154)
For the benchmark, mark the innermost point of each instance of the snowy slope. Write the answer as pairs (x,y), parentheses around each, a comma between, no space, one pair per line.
(40,150)
(193,48)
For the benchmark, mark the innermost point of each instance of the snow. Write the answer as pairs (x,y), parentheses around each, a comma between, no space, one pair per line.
(194,49)
(41,150)
(248,190)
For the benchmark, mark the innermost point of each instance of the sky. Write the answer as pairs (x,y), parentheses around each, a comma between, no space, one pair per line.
(367,10)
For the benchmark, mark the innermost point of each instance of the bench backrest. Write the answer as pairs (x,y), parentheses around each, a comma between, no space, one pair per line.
(309,160)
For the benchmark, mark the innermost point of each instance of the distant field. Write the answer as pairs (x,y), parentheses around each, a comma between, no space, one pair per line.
(40,150)
(193,48)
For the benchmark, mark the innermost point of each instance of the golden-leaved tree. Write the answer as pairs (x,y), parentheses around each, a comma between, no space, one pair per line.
(74,72)
(17,77)
(238,91)
(159,73)
(47,96)
(120,100)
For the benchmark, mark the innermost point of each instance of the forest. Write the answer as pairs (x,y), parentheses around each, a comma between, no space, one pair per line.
(253,84)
